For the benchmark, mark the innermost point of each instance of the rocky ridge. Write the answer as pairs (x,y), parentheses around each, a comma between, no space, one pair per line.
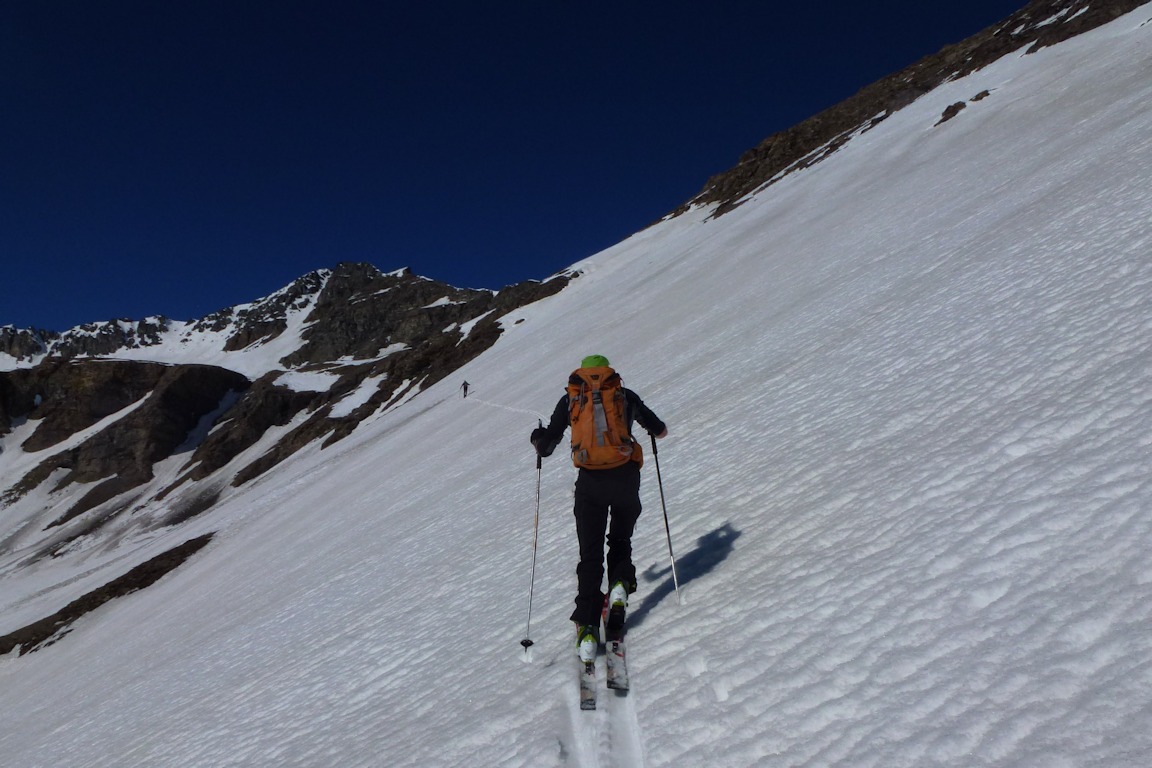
(23,344)
(1040,24)
(131,425)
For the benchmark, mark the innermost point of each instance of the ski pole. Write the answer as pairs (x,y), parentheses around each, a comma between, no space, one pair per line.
(667,528)
(527,641)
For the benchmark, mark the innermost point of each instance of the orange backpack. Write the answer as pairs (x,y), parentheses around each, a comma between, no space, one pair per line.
(597,413)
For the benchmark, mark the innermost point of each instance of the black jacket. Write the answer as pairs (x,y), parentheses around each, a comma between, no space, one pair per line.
(547,438)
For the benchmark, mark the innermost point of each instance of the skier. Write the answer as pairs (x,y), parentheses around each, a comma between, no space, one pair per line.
(464,387)
(601,411)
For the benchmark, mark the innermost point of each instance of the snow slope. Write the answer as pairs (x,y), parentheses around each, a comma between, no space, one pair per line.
(908,478)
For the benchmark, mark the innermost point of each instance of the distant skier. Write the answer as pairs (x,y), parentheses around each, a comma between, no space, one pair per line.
(464,387)
(601,411)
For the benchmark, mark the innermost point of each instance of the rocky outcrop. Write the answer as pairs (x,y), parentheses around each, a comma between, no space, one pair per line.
(24,344)
(1040,24)
(262,407)
(361,311)
(267,318)
(100,339)
(67,397)
(17,398)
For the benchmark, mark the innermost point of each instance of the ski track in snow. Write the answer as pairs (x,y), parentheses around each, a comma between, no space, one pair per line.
(608,737)
(907,479)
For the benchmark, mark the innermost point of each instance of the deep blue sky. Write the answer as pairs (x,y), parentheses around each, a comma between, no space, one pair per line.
(175,157)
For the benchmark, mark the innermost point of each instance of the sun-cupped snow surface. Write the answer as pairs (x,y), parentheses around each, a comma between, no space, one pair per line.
(907,479)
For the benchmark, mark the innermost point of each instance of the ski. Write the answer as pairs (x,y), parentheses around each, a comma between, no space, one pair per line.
(612,630)
(587,684)
(617,668)
(586,649)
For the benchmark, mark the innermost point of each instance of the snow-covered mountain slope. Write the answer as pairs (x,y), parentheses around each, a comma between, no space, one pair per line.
(112,430)
(907,478)
(249,338)
(353,314)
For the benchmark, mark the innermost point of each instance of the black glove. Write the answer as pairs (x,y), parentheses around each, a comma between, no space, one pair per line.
(543,444)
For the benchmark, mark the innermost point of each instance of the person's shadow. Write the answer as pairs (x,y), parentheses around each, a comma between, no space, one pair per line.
(711,549)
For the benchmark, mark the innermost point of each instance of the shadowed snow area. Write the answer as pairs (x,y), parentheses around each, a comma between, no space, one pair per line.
(908,479)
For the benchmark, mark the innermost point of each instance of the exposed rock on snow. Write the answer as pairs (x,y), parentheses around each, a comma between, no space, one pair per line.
(49,630)
(24,344)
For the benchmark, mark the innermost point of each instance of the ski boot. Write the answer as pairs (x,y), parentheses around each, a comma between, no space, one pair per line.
(587,642)
(616,607)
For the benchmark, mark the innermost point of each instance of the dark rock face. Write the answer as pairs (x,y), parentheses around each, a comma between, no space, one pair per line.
(262,407)
(130,446)
(68,397)
(1040,24)
(17,398)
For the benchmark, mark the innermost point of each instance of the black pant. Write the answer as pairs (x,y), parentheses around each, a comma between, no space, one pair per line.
(603,495)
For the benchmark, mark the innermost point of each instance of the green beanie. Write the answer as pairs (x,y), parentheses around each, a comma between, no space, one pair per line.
(594,361)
